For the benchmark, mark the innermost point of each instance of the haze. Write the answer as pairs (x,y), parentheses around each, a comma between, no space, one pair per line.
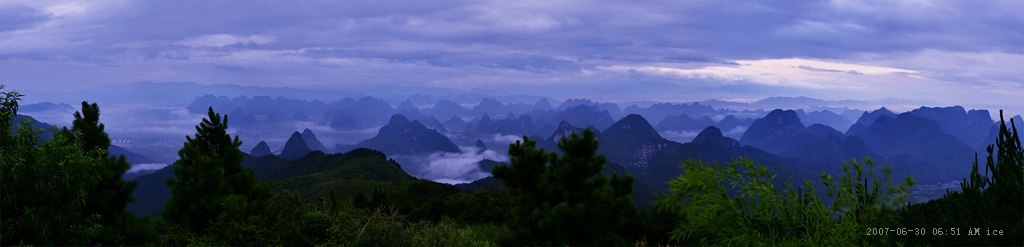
(897,54)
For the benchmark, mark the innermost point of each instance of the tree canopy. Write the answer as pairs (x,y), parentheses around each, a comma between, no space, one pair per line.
(208,170)
(565,200)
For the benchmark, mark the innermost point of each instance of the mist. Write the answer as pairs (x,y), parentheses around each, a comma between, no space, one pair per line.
(450,168)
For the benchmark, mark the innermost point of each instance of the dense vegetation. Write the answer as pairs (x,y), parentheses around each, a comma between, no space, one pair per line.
(67,190)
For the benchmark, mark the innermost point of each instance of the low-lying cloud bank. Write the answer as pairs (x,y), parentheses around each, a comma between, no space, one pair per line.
(451,168)
(146,167)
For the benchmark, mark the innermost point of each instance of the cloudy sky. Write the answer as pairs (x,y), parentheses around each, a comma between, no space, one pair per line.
(967,53)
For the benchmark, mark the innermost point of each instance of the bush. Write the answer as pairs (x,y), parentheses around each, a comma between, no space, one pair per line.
(752,211)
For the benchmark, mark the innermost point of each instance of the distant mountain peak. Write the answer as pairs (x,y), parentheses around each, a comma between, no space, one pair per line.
(398,119)
(295,147)
(406,105)
(403,137)
(480,144)
(261,149)
(776,124)
(712,134)
(634,124)
(565,130)
(311,141)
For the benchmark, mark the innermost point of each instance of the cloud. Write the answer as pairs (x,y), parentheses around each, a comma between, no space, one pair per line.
(219,40)
(682,136)
(17,16)
(146,167)
(700,49)
(454,168)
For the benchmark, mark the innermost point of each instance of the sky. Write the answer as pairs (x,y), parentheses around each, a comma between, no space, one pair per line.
(968,53)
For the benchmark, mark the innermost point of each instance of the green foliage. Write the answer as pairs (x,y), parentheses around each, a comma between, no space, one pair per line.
(270,218)
(382,228)
(376,200)
(56,192)
(488,206)
(739,204)
(986,202)
(209,170)
(567,202)
(88,128)
(45,189)
(111,196)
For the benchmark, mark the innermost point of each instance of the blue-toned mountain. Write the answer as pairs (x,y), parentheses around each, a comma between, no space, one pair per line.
(401,136)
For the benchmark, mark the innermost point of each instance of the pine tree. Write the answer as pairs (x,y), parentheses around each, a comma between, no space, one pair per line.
(88,128)
(564,200)
(111,196)
(208,170)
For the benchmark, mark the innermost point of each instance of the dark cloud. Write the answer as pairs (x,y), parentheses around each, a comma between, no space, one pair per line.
(16,16)
(492,46)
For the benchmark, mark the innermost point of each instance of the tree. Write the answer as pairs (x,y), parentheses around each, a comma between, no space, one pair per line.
(53,189)
(209,169)
(110,197)
(987,201)
(739,204)
(564,200)
(88,128)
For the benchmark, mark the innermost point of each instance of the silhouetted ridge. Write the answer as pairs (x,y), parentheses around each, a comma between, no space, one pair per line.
(480,144)
(261,149)
(401,136)
(311,141)
(713,135)
(295,147)
(565,130)
(867,119)
(635,125)
(777,124)
(970,126)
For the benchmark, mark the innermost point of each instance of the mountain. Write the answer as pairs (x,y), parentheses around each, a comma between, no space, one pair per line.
(583,115)
(613,109)
(400,136)
(447,109)
(825,117)
(778,132)
(481,146)
(46,135)
(543,105)
(654,160)
(261,149)
(825,131)
(455,123)
(311,176)
(132,157)
(711,135)
(663,110)
(510,125)
(734,127)
(990,139)
(682,122)
(311,141)
(433,123)
(970,126)
(489,106)
(565,130)
(868,118)
(341,120)
(631,142)
(295,147)
(918,146)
